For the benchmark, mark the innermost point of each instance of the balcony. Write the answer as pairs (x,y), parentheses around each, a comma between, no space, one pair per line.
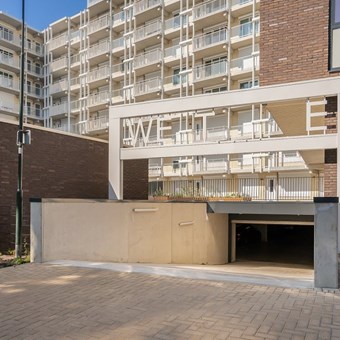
(34,48)
(148,62)
(243,7)
(118,97)
(147,9)
(58,64)
(9,108)
(9,85)
(242,35)
(57,42)
(173,54)
(75,84)
(99,52)
(58,110)
(98,100)
(9,63)
(34,70)
(173,83)
(211,73)
(257,189)
(118,72)
(75,106)
(99,76)
(173,25)
(118,45)
(118,20)
(75,61)
(210,13)
(10,40)
(149,35)
(34,113)
(32,91)
(74,39)
(213,43)
(91,126)
(243,67)
(97,25)
(59,87)
(148,87)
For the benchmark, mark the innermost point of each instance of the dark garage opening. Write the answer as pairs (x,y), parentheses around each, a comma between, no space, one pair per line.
(291,244)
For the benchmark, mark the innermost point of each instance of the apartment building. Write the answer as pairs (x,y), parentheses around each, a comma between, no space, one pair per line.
(217,144)
(10,51)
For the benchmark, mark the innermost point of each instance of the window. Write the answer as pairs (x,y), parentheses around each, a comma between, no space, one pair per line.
(6,34)
(37,68)
(37,89)
(217,89)
(29,65)
(28,108)
(334,56)
(248,84)
(176,78)
(6,56)
(37,110)
(29,86)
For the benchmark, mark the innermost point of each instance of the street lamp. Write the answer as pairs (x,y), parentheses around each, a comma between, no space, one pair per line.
(23,137)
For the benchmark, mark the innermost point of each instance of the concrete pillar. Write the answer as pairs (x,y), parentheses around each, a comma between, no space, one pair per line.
(326,265)
(36,230)
(263,229)
(233,242)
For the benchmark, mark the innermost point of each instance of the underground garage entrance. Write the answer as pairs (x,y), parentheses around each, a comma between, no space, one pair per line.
(288,244)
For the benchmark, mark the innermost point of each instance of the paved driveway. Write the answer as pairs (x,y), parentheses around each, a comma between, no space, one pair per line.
(56,302)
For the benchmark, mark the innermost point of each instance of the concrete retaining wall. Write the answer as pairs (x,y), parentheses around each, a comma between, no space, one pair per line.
(127,232)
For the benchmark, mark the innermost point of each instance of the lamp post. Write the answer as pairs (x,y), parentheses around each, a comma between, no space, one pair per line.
(20,144)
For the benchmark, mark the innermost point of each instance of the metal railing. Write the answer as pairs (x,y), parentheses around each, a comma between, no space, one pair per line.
(256,189)
(91,125)
(10,37)
(99,49)
(8,60)
(209,8)
(9,83)
(240,2)
(175,23)
(210,70)
(35,48)
(210,39)
(75,105)
(58,109)
(59,86)
(117,96)
(99,73)
(74,59)
(98,98)
(58,41)
(148,30)
(148,86)
(148,58)
(143,5)
(98,24)
(58,64)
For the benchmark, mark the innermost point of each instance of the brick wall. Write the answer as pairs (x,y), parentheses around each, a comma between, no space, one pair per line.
(294,41)
(135,179)
(55,166)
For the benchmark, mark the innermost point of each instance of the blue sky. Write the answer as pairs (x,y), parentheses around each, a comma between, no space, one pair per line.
(40,13)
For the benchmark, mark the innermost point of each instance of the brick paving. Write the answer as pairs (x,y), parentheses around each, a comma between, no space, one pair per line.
(40,301)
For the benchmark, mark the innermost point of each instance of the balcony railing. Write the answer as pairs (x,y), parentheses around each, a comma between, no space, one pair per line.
(58,64)
(244,30)
(240,2)
(148,58)
(257,189)
(98,73)
(148,86)
(91,125)
(99,49)
(9,83)
(148,30)
(98,98)
(10,37)
(9,107)
(209,8)
(210,39)
(35,70)
(59,86)
(75,59)
(98,24)
(175,23)
(33,91)
(118,43)
(118,18)
(244,64)
(8,60)
(58,109)
(210,70)
(144,5)
(75,105)
(58,41)
(33,112)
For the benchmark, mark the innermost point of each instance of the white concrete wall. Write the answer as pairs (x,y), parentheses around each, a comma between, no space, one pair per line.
(116,232)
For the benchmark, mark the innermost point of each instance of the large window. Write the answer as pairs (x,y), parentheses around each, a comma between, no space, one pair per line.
(335,35)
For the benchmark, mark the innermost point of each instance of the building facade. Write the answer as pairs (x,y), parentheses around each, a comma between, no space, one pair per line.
(10,50)
(117,53)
